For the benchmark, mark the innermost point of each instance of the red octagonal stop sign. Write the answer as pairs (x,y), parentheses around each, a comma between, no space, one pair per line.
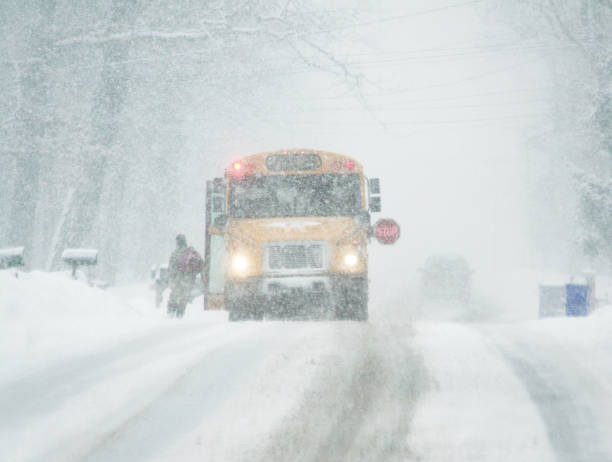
(387,231)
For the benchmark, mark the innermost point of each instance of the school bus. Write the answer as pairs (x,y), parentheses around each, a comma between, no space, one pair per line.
(287,234)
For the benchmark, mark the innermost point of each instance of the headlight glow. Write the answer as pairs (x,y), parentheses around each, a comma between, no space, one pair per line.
(350,259)
(240,263)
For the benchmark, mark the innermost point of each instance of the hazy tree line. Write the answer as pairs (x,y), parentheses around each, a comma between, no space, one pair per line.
(98,102)
(575,153)
(100,105)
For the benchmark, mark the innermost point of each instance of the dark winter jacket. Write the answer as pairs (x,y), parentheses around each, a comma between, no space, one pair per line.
(185,263)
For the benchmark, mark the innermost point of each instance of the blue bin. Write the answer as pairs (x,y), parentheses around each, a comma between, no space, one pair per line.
(576,300)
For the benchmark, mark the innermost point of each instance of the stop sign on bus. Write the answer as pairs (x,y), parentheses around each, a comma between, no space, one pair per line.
(386,231)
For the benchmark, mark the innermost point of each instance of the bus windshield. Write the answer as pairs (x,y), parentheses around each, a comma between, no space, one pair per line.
(295,195)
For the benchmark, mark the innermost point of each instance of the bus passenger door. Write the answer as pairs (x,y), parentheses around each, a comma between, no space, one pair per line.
(214,256)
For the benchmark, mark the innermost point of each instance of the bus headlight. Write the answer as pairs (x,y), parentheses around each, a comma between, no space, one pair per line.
(351,259)
(240,263)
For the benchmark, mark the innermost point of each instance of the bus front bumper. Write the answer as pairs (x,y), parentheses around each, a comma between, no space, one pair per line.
(295,295)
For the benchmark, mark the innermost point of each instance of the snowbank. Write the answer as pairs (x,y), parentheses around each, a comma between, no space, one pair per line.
(48,316)
(476,409)
(593,331)
(516,390)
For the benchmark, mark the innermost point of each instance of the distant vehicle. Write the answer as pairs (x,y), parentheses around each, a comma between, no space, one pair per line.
(445,278)
(286,235)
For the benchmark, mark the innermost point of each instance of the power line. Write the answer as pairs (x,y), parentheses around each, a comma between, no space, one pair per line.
(426,108)
(397,17)
(444,98)
(424,122)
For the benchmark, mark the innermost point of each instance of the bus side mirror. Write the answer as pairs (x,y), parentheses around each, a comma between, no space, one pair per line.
(374,195)
(374,185)
(375,205)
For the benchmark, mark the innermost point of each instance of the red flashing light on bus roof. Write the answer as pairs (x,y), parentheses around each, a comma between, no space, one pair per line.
(349,164)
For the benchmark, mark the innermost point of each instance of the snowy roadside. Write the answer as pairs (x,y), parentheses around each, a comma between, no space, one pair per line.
(516,391)
(476,409)
(79,361)
(62,412)
(47,317)
(564,363)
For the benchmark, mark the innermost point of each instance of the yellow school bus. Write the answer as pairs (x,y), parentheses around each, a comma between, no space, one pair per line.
(286,235)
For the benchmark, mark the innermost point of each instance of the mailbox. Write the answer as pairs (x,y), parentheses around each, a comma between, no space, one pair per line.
(80,257)
(12,257)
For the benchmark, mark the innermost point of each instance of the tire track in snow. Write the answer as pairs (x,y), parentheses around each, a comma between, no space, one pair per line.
(361,407)
(477,409)
(551,381)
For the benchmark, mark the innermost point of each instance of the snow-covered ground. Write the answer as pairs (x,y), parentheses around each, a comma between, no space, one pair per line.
(49,316)
(103,375)
(538,391)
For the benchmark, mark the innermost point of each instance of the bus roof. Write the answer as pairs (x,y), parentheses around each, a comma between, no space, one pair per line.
(293,162)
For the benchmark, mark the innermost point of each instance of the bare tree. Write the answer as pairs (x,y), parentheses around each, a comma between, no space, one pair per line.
(30,125)
(109,92)
(581,63)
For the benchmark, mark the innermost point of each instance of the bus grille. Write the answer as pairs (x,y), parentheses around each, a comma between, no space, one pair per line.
(296,256)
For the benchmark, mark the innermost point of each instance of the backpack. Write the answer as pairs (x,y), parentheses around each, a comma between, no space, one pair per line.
(190,261)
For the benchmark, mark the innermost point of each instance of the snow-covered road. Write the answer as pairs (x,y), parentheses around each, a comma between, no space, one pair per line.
(389,389)
(219,391)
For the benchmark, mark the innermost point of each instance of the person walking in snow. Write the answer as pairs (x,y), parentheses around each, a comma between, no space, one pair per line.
(185,264)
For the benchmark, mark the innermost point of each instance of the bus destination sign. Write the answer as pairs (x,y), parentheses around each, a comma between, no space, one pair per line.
(293,162)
